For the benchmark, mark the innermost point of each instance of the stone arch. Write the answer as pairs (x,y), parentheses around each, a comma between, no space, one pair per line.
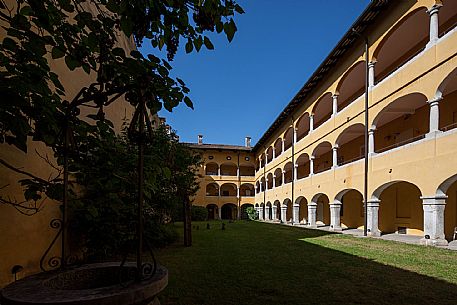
(278,177)
(404,40)
(351,85)
(269,181)
(322,110)
(403,121)
(448,190)
(322,155)
(303,166)
(288,172)
(447,17)
(400,208)
(228,190)
(269,154)
(288,204)
(278,147)
(446,94)
(352,210)
(213,211)
(212,168)
(247,190)
(351,144)
(302,126)
(228,169)
(322,210)
(212,189)
(229,211)
(268,211)
(302,209)
(277,210)
(247,169)
(288,138)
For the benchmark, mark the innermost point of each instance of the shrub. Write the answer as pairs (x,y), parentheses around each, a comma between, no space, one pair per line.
(252,213)
(199,213)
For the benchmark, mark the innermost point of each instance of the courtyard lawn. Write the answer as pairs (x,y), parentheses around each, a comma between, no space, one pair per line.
(259,263)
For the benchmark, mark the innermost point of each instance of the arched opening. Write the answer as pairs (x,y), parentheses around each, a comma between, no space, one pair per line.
(229,169)
(247,190)
(288,138)
(262,183)
(212,169)
(269,211)
(212,189)
(352,85)
(449,188)
(447,17)
(352,213)
(302,209)
(322,209)
(288,175)
(403,42)
(322,110)
(247,170)
(322,157)
(257,165)
(448,105)
(269,154)
(229,211)
(278,177)
(244,214)
(213,211)
(257,187)
(289,214)
(277,205)
(302,126)
(351,144)
(262,210)
(228,190)
(303,169)
(269,181)
(403,121)
(278,147)
(400,209)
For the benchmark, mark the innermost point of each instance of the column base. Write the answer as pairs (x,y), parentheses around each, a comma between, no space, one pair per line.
(433,242)
(311,226)
(374,234)
(433,134)
(336,229)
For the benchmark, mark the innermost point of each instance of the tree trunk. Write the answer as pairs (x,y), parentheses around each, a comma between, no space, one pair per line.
(187,222)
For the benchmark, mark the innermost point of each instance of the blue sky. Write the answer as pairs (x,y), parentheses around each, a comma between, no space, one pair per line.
(240,88)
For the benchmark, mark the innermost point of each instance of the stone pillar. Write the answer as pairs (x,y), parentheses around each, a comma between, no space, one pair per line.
(311,165)
(238,172)
(283,176)
(237,192)
(218,170)
(274,181)
(260,212)
(295,172)
(434,126)
(372,217)
(219,210)
(371,74)
(334,104)
(335,219)
(371,141)
(434,220)
(282,143)
(274,152)
(266,184)
(434,24)
(283,213)
(296,213)
(267,213)
(335,156)
(312,209)
(311,122)
(295,135)
(275,212)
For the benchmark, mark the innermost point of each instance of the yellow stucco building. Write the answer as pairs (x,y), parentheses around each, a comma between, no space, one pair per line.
(309,164)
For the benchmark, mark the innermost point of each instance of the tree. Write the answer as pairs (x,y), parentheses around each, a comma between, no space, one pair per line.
(81,32)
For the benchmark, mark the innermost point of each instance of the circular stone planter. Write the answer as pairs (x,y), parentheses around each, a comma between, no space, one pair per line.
(94,284)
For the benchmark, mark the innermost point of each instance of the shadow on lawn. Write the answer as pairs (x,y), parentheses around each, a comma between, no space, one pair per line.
(280,267)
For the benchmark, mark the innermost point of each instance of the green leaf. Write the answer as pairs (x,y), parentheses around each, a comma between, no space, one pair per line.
(208,44)
(189,46)
(9,44)
(230,29)
(26,10)
(71,63)
(188,102)
(198,43)
(239,9)
(57,53)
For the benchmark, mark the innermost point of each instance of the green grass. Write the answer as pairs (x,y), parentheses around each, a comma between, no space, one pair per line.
(258,263)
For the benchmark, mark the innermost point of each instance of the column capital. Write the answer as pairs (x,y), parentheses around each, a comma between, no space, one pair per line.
(335,147)
(312,157)
(312,204)
(296,165)
(435,101)
(373,203)
(335,203)
(434,9)
(371,130)
(434,200)
(335,95)
(372,63)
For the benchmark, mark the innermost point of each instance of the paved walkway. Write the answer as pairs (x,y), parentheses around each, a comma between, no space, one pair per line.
(408,239)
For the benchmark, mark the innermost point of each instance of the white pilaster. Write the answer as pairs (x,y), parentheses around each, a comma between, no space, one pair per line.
(275,213)
(218,170)
(434,24)
(267,213)
(312,208)
(283,177)
(434,125)
(371,141)
(335,219)
(372,217)
(282,143)
(238,192)
(296,213)
(261,213)
(371,74)
(335,156)
(334,104)
(311,165)
(283,213)
(434,220)
(311,122)
(274,181)
(295,172)
(274,152)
